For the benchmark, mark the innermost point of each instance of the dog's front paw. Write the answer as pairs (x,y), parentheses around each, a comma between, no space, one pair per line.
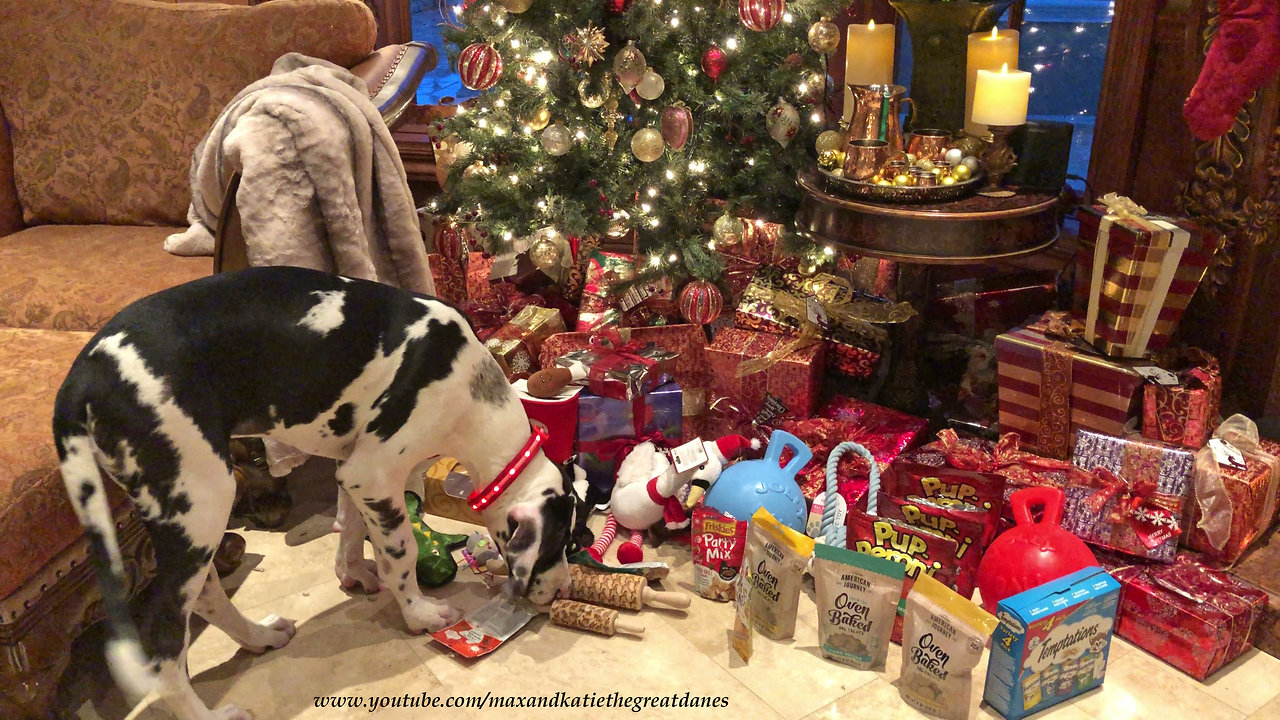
(428,617)
(272,633)
(361,576)
(231,712)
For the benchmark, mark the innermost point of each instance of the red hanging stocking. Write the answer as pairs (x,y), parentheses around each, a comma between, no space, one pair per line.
(1244,55)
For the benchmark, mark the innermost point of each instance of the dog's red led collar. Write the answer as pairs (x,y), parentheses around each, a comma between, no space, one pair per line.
(481,499)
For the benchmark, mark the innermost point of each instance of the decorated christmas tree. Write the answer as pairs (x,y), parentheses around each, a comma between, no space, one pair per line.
(671,119)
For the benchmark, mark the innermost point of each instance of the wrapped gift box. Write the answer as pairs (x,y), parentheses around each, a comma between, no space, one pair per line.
(607,427)
(1191,616)
(648,303)
(1136,274)
(789,388)
(517,343)
(1131,497)
(621,371)
(1235,502)
(981,308)
(1184,414)
(450,278)
(1048,390)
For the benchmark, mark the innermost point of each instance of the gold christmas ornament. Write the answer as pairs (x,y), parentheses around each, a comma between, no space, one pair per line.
(516,6)
(586,45)
(611,116)
(829,140)
(831,159)
(970,145)
(477,168)
(556,140)
(948,180)
(550,253)
(651,85)
(647,144)
(901,180)
(589,100)
(539,120)
(728,230)
(961,172)
(824,36)
(629,66)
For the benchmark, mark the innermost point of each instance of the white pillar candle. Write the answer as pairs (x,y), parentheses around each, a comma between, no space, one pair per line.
(868,58)
(987,51)
(1000,98)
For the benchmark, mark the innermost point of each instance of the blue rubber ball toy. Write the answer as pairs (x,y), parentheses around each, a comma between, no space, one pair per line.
(750,485)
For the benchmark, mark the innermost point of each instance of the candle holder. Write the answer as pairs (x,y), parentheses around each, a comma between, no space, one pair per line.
(998,158)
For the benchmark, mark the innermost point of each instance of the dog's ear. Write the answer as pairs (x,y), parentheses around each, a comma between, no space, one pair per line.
(521,552)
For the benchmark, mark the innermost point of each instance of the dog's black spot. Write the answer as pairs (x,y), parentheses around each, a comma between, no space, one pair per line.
(426,360)
(155,667)
(353,486)
(488,384)
(402,451)
(394,552)
(87,490)
(390,517)
(401,587)
(404,575)
(549,492)
(343,419)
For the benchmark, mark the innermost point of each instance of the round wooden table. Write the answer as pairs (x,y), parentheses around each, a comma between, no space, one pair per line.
(970,231)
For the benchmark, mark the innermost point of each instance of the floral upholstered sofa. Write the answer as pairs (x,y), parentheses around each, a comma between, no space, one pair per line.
(101,105)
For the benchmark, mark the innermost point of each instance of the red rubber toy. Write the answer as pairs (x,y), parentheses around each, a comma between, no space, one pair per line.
(1032,553)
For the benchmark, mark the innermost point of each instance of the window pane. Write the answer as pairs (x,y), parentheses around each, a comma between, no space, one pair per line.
(442,82)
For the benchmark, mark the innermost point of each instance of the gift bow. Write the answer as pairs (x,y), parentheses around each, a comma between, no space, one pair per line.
(615,353)
(1136,503)
(1121,207)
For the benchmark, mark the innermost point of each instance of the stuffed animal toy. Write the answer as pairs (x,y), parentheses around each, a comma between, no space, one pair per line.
(648,491)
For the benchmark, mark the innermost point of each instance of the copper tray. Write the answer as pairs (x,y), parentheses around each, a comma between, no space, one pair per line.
(900,193)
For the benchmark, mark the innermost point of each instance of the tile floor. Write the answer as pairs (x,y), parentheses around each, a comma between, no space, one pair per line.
(357,645)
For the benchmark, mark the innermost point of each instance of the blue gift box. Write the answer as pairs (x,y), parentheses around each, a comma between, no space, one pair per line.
(605,424)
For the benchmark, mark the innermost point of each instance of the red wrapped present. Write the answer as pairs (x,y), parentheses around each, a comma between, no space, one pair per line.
(517,343)
(1184,414)
(981,308)
(1130,495)
(788,384)
(1235,492)
(648,303)
(480,287)
(1138,273)
(450,277)
(1193,617)
(852,325)
(614,368)
(1049,389)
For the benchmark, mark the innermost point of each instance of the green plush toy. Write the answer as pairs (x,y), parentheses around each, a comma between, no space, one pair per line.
(436,565)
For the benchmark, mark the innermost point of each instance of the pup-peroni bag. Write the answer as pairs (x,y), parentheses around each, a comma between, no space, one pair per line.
(942,640)
(857,597)
(776,556)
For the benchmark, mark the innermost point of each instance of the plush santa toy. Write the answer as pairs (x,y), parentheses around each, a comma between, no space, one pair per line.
(648,490)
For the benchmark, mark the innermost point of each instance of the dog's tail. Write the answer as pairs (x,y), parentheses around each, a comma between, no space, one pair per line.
(82,477)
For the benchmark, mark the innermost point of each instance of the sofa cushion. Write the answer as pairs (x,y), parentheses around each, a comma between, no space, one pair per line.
(69,277)
(36,518)
(104,122)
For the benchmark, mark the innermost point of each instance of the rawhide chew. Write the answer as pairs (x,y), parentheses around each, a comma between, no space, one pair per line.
(619,590)
(592,618)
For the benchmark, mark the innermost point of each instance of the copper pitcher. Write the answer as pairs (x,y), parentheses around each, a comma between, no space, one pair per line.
(868,105)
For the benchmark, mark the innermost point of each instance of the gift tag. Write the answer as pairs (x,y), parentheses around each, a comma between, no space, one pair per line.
(771,409)
(1159,376)
(816,313)
(1226,453)
(636,294)
(504,266)
(689,455)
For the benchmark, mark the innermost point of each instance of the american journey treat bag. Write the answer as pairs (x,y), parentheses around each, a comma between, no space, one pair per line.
(942,640)
(777,557)
(857,597)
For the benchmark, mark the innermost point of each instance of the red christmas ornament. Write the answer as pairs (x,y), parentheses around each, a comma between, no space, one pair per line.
(761,15)
(480,66)
(714,62)
(617,7)
(701,302)
(450,241)
(676,123)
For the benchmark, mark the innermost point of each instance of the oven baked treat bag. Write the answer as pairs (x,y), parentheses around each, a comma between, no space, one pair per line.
(942,640)
(857,597)
(777,557)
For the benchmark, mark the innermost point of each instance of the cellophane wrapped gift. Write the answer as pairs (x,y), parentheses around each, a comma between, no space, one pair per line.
(608,426)
(450,277)
(601,306)
(688,368)
(788,387)
(1130,495)
(1136,273)
(885,432)
(855,331)
(516,344)
(1049,389)
(1184,414)
(1237,477)
(981,308)
(1190,615)
(622,371)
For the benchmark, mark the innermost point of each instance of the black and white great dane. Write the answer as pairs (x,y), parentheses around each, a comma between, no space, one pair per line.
(378,378)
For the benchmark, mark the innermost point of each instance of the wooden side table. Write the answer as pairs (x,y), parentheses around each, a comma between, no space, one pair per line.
(970,231)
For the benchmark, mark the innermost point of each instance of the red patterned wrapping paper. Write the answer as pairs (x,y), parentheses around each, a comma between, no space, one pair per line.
(479,287)
(1048,390)
(450,278)
(649,304)
(1191,616)
(1137,245)
(1184,414)
(793,382)
(1233,505)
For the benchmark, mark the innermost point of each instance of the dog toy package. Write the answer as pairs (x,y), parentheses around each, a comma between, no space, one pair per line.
(1052,642)
(857,598)
(942,640)
(777,556)
(718,544)
(486,629)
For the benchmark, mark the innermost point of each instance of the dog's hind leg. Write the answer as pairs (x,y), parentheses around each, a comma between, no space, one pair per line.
(255,637)
(354,570)
(376,485)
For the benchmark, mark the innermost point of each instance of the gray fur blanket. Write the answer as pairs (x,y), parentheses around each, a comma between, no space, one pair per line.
(322,185)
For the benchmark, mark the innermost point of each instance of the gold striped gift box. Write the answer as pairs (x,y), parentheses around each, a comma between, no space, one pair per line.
(1048,390)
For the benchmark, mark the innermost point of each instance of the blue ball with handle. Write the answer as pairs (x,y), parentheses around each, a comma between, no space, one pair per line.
(745,487)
